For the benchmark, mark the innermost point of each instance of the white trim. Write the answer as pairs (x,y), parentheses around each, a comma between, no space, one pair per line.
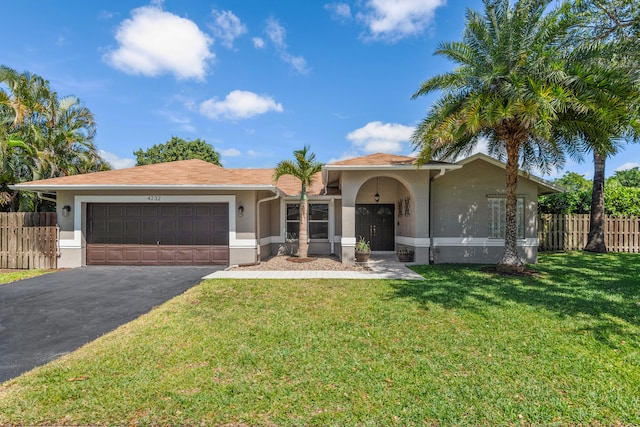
(243,244)
(417,242)
(76,242)
(271,239)
(347,241)
(480,241)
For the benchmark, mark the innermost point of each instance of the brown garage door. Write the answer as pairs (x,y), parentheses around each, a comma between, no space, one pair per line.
(157,234)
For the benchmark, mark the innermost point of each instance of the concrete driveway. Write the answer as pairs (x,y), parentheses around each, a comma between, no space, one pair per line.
(46,317)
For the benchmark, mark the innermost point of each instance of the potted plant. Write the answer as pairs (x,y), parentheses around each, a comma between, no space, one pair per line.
(405,255)
(363,250)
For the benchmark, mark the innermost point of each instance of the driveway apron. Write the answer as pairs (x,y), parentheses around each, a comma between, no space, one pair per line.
(48,316)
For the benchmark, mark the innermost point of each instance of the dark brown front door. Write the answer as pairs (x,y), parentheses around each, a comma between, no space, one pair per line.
(157,234)
(375,224)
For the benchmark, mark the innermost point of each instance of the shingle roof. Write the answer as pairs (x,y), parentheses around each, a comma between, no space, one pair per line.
(181,173)
(377,159)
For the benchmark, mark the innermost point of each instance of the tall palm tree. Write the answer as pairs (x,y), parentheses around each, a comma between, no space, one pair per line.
(304,168)
(614,22)
(56,134)
(512,89)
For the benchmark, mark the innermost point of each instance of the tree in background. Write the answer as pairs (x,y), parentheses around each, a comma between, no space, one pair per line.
(515,87)
(575,200)
(41,136)
(615,23)
(626,178)
(177,149)
(619,200)
(304,168)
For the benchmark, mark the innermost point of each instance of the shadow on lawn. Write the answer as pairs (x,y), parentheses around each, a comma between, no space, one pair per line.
(603,290)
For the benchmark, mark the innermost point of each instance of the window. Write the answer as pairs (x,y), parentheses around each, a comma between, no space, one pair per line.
(497,217)
(318,221)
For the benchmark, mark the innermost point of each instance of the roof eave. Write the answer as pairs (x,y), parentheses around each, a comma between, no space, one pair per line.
(83,187)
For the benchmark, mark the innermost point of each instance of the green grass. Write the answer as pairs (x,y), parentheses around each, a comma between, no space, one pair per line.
(8,276)
(462,348)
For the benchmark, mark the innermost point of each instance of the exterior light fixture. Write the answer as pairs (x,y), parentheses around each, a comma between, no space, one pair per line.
(240,210)
(376,196)
(66,210)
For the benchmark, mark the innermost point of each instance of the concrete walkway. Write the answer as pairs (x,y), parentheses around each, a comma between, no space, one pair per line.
(383,266)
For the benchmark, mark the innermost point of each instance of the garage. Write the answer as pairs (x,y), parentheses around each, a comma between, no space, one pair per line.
(157,234)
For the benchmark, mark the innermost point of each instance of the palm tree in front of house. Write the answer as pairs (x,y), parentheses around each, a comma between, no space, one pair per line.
(304,168)
(513,89)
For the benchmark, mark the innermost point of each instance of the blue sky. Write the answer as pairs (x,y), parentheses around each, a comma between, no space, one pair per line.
(256,79)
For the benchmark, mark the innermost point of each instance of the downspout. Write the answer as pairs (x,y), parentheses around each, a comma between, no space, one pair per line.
(266,199)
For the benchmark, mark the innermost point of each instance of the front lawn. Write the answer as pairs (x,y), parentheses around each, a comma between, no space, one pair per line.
(462,348)
(8,276)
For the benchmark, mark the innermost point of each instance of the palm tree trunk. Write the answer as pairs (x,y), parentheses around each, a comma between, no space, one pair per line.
(511,261)
(303,244)
(595,241)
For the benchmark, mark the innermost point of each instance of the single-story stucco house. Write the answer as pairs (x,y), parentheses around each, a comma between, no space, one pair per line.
(192,212)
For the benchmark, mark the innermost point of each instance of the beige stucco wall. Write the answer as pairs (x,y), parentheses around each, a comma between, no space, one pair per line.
(461,216)
(360,187)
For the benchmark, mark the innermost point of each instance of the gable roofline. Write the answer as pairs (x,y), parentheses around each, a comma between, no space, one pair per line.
(382,161)
(544,186)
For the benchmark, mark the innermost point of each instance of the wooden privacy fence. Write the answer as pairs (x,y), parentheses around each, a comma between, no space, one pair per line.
(570,232)
(28,240)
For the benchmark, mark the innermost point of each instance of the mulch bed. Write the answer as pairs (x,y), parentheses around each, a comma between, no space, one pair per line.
(300,260)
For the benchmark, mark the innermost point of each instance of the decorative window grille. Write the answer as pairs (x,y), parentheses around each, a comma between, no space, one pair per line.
(497,216)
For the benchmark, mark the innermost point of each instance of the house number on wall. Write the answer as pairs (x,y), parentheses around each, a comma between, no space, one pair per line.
(154,198)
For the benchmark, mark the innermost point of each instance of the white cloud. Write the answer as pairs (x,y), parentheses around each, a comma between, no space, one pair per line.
(392,20)
(297,62)
(381,137)
(183,122)
(628,165)
(277,34)
(105,15)
(254,153)
(117,162)
(154,42)
(239,104)
(258,42)
(339,11)
(227,27)
(230,152)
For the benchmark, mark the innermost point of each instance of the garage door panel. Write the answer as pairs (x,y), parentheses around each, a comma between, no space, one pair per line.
(168,211)
(115,210)
(149,254)
(157,234)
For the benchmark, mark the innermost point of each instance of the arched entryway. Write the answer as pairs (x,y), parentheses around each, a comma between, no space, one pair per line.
(390,209)
(375,223)
(377,217)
